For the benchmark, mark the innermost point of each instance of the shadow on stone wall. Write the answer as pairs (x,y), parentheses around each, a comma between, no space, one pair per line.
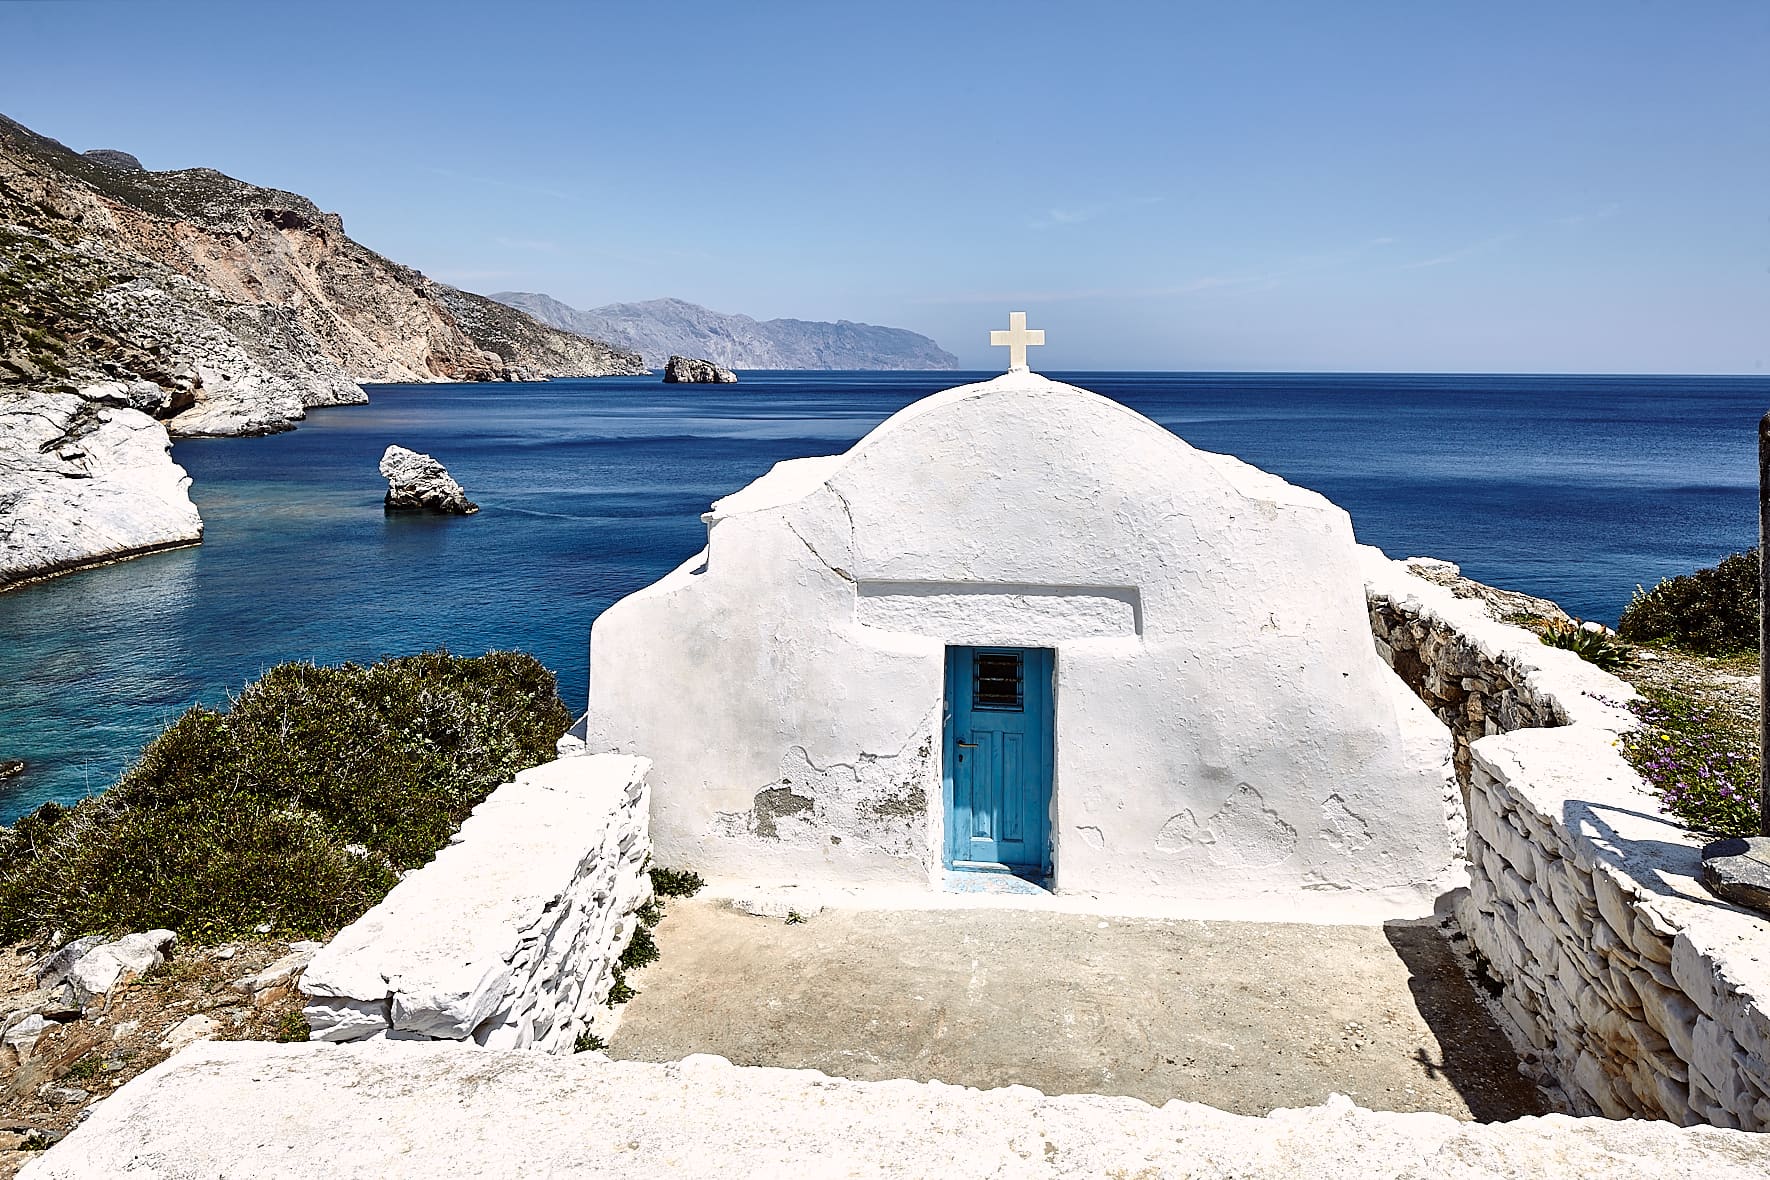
(1474,1055)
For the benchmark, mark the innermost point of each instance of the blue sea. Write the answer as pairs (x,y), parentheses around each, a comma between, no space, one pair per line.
(1574,488)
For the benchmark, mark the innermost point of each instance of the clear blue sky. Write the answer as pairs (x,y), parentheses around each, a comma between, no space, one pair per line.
(1571,185)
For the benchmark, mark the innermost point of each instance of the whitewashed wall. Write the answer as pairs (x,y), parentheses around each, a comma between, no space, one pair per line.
(1225,733)
(1626,982)
(509,937)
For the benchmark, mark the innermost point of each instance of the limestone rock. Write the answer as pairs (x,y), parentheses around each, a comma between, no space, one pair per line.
(193,1028)
(112,158)
(783,903)
(418,483)
(283,277)
(11,768)
(1739,871)
(112,963)
(62,1095)
(685,370)
(1498,603)
(53,968)
(290,965)
(22,1036)
(82,482)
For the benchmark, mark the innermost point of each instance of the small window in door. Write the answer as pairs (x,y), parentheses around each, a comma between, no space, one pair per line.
(999,682)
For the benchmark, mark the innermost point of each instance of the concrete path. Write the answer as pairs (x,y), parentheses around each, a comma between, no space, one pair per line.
(1246,1017)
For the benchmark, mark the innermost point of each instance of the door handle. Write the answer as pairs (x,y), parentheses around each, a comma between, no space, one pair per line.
(967,745)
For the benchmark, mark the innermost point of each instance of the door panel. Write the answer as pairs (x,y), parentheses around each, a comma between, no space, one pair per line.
(998,758)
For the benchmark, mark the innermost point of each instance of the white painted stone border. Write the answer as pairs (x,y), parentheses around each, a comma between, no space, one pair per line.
(1638,991)
(509,937)
(399,1111)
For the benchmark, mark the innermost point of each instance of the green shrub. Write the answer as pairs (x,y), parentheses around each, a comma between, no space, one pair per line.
(642,950)
(675,882)
(1589,644)
(297,805)
(1712,611)
(292,1027)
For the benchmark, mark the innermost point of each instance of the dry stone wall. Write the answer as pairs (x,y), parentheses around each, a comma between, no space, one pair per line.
(1625,982)
(510,936)
(1470,677)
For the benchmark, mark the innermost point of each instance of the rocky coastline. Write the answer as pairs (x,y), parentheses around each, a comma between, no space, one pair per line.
(139,307)
(84,482)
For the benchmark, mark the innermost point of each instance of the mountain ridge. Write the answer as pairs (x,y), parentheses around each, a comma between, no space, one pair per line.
(139,306)
(242,305)
(659,328)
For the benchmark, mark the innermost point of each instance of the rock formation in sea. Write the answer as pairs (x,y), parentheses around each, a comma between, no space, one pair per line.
(85,478)
(687,370)
(418,483)
(661,327)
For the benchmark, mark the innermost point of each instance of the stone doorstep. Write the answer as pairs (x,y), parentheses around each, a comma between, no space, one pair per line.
(248,1108)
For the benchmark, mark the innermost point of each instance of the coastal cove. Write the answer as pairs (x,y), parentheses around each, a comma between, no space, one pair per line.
(1571,488)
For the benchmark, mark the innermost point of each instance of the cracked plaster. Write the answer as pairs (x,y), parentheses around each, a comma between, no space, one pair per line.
(1210,627)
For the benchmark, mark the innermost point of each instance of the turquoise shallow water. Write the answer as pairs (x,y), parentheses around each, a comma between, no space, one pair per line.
(1576,488)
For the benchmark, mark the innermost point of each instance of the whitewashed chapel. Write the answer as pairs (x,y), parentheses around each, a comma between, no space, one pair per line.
(1021,629)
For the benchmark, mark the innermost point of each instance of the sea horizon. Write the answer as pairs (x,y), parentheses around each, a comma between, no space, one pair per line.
(591,489)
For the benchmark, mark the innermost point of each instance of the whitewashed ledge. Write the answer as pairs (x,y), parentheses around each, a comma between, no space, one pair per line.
(240,1110)
(1635,990)
(509,936)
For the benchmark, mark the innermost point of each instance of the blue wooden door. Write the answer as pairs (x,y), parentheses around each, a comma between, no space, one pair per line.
(998,759)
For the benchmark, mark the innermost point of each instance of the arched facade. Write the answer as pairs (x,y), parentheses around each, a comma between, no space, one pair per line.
(882,658)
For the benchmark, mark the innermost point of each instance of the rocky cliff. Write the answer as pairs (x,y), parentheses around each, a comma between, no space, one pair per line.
(661,327)
(246,305)
(135,305)
(532,350)
(86,480)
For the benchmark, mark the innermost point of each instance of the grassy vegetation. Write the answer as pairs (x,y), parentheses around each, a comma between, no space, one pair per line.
(1712,612)
(1591,644)
(1701,760)
(295,807)
(643,949)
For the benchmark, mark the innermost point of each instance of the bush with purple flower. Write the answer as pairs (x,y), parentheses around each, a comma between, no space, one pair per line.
(1701,764)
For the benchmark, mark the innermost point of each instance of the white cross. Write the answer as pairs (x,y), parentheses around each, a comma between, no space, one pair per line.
(1015,339)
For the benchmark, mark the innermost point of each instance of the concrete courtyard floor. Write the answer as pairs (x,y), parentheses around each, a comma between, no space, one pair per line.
(1243,1016)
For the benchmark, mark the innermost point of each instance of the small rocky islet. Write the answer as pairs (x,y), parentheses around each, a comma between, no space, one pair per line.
(419,483)
(688,370)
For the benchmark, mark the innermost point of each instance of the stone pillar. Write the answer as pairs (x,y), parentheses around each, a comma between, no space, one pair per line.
(1763,626)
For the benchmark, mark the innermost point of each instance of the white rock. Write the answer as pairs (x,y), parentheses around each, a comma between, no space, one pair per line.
(110,491)
(286,967)
(776,904)
(193,1028)
(22,1036)
(418,482)
(111,963)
